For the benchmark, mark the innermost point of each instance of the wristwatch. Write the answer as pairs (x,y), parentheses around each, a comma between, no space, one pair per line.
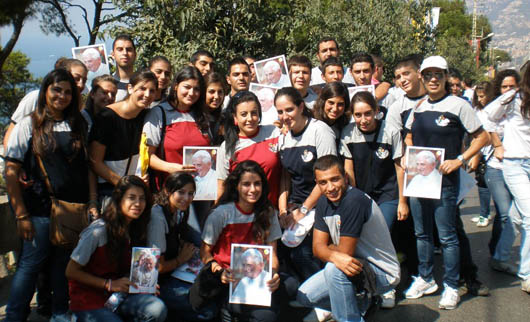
(304,210)
(461,158)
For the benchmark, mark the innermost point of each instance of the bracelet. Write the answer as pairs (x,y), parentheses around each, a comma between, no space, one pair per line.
(108,285)
(497,146)
(22,217)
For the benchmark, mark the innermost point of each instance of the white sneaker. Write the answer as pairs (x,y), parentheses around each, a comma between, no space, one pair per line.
(475,219)
(317,315)
(483,222)
(450,298)
(389,299)
(420,287)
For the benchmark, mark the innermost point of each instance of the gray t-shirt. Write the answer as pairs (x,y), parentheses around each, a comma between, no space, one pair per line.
(94,236)
(27,105)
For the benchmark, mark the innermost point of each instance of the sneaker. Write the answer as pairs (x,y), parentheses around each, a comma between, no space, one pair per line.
(317,315)
(477,288)
(450,298)
(503,266)
(525,285)
(420,287)
(483,222)
(475,219)
(389,299)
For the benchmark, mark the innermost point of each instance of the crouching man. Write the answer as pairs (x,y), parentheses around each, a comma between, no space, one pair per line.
(350,235)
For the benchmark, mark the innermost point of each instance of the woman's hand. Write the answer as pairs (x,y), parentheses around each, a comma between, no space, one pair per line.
(474,162)
(402,211)
(121,285)
(25,229)
(177,167)
(23,179)
(185,252)
(499,152)
(226,277)
(145,179)
(274,283)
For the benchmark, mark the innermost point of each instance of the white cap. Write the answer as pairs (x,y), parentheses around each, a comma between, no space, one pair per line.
(434,62)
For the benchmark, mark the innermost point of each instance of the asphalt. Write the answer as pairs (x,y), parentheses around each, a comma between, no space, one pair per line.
(506,301)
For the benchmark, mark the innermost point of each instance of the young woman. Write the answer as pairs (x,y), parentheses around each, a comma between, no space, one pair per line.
(100,264)
(245,139)
(306,141)
(115,136)
(215,94)
(441,121)
(168,231)
(514,107)
(103,92)
(243,215)
(55,132)
(161,67)
(185,125)
(333,106)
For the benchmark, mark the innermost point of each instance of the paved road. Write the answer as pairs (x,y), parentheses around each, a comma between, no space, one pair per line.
(506,303)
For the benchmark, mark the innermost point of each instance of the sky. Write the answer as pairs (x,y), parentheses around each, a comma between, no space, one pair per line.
(43,50)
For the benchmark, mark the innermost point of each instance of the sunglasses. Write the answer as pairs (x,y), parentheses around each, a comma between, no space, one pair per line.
(429,75)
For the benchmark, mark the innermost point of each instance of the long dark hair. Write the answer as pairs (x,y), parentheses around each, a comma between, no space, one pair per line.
(42,120)
(487,88)
(173,182)
(295,97)
(330,90)
(198,109)
(263,209)
(95,86)
(118,231)
(232,130)
(524,91)
(212,78)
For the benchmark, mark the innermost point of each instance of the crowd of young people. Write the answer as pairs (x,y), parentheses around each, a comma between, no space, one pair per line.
(323,185)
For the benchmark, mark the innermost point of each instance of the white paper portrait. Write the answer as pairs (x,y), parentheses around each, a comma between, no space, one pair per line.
(265,94)
(251,266)
(95,59)
(273,72)
(144,269)
(423,178)
(205,161)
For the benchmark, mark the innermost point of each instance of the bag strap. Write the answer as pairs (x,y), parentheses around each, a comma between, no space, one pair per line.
(162,134)
(45,174)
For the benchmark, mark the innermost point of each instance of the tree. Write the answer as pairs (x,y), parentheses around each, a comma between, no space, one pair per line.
(56,17)
(15,83)
(14,13)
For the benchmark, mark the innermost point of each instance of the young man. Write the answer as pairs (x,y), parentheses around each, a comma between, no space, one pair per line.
(238,78)
(250,61)
(300,74)
(362,71)
(377,77)
(124,54)
(332,70)
(351,236)
(327,47)
(455,83)
(203,61)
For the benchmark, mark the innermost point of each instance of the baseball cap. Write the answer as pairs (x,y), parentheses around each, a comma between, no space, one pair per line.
(434,62)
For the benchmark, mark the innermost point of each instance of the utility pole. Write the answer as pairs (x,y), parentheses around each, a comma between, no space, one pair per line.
(474,30)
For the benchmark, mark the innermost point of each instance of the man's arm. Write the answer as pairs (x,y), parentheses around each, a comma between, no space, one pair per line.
(341,255)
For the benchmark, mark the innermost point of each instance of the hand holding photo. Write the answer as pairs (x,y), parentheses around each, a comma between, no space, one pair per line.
(204,159)
(273,72)
(251,267)
(423,178)
(144,270)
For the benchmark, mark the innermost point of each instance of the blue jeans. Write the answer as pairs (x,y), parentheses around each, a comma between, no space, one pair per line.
(389,210)
(517,176)
(503,232)
(331,289)
(443,213)
(174,293)
(136,307)
(32,257)
(484,196)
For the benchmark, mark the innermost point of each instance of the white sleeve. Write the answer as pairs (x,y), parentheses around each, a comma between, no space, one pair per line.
(397,143)
(223,163)
(497,109)
(90,239)
(214,225)
(325,140)
(153,126)
(19,139)
(345,138)
(26,106)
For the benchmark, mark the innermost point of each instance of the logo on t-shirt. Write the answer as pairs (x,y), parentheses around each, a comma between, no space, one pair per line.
(273,147)
(307,156)
(381,153)
(380,116)
(442,121)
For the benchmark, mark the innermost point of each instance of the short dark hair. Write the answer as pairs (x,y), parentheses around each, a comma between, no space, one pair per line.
(327,162)
(455,73)
(326,39)
(331,61)
(362,57)
(237,61)
(468,81)
(378,61)
(299,60)
(198,54)
(125,37)
(413,60)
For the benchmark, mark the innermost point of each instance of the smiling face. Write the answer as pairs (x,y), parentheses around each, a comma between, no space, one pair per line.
(334,107)
(333,73)
(142,94)
(364,116)
(332,183)
(104,95)
(188,92)
(182,198)
(214,95)
(300,76)
(247,118)
(272,72)
(251,268)
(133,203)
(434,80)
(289,114)
(409,79)
(202,165)
(162,71)
(362,73)
(58,97)
(424,166)
(204,64)
(79,74)
(249,189)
